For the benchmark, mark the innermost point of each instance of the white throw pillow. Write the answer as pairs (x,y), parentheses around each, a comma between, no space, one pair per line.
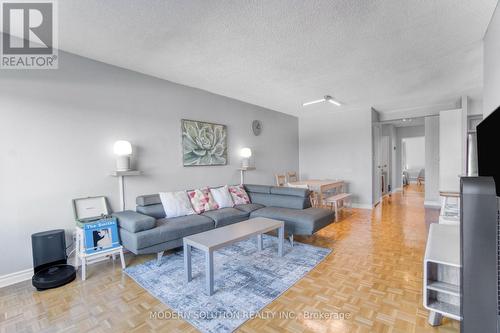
(176,204)
(222,196)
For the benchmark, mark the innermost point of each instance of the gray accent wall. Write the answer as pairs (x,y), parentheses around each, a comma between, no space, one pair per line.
(57,129)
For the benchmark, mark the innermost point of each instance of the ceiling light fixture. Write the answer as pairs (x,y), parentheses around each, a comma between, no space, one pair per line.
(327,98)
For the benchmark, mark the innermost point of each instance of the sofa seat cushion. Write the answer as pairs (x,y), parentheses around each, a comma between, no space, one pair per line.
(249,207)
(226,216)
(298,221)
(173,228)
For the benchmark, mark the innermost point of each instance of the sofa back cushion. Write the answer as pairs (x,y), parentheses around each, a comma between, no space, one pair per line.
(258,188)
(176,204)
(150,205)
(202,200)
(240,196)
(222,196)
(284,197)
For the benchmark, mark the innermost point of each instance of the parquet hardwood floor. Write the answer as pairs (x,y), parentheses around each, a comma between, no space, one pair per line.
(373,277)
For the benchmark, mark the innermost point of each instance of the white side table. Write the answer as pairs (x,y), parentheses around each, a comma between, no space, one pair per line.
(442,273)
(86,258)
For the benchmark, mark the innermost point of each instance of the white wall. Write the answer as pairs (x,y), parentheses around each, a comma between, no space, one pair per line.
(451,149)
(415,153)
(432,161)
(338,144)
(57,128)
(491,68)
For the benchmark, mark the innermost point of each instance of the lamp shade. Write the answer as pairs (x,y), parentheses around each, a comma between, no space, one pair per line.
(122,148)
(246,152)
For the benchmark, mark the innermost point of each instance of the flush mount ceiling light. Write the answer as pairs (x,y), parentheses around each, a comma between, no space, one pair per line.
(327,98)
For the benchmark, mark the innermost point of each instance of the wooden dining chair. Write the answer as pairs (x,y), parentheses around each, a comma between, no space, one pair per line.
(314,198)
(292,176)
(280,180)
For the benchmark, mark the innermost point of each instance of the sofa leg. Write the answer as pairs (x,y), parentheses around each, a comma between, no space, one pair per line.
(290,238)
(158,257)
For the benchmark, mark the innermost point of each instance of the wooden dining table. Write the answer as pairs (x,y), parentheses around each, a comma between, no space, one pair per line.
(320,186)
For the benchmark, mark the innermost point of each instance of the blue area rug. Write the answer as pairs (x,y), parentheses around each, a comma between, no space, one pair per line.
(246,280)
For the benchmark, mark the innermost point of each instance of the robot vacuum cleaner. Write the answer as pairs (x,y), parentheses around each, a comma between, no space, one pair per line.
(53,276)
(50,260)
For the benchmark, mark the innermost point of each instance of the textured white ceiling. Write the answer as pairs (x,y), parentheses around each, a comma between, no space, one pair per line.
(277,54)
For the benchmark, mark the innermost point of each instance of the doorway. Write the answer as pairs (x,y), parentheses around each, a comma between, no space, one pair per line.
(399,156)
(413,161)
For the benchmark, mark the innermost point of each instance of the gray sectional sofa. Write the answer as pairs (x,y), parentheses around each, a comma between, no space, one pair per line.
(147,230)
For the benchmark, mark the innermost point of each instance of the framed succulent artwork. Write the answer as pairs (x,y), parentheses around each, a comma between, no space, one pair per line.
(203,143)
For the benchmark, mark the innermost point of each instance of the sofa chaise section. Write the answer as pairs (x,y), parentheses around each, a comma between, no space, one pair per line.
(298,221)
(164,233)
(291,205)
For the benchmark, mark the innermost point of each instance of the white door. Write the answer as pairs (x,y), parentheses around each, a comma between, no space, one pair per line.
(376,173)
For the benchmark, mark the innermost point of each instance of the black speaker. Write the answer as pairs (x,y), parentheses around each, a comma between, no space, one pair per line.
(50,260)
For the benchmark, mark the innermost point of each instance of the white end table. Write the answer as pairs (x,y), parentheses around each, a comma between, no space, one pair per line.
(442,273)
(86,258)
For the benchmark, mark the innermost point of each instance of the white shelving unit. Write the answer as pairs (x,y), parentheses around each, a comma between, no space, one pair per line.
(450,208)
(86,259)
(442,273)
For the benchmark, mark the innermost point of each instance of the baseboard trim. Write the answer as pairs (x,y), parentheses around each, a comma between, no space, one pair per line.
(16,277)
(432,204)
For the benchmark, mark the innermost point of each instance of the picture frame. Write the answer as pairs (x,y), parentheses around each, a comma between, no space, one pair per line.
(203,143)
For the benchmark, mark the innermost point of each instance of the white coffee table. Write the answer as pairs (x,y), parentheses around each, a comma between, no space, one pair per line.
(211,240)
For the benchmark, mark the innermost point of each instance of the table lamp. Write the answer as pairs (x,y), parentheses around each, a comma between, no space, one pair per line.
(123,150)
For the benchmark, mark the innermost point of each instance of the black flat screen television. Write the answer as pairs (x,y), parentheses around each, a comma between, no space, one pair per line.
(488,147)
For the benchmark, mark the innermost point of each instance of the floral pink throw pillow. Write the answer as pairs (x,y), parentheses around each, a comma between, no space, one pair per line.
(240,196)
(202,200)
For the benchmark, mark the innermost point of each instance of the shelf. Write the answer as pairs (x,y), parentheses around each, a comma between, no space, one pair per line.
(246,169)
(443,245)
(443,287)
(126,173)
(451,194)
(447,308)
